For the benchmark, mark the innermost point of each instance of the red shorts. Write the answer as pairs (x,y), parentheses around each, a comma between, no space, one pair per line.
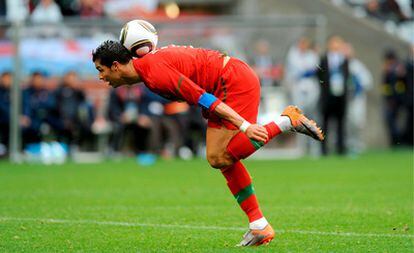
(239,88)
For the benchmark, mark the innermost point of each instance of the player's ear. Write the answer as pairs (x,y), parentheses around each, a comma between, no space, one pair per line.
(115,66)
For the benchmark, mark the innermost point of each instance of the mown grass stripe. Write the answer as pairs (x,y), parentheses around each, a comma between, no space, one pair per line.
(195,227)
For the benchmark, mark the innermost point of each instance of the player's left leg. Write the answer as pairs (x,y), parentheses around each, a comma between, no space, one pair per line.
(240,184)
(237,177)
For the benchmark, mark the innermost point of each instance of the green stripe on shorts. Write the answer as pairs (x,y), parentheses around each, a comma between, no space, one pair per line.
(244,193)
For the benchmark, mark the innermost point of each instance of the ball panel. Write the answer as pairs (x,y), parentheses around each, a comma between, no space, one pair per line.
(137,34)
(142,51)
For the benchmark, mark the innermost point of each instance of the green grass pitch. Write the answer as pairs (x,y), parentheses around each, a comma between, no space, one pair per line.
(328,205)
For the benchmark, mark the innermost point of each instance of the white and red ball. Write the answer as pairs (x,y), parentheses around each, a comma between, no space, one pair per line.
(139,37)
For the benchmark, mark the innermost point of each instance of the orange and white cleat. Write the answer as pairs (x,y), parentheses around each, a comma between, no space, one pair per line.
(301,124)
(257,237)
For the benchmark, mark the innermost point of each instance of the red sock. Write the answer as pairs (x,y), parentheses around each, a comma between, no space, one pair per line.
(240,146)
(240,184)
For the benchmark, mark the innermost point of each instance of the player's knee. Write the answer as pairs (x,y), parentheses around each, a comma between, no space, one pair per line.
(219,161)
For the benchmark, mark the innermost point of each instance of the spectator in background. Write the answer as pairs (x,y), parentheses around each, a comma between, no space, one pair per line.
(91,8)
(168,125)
(196,131)
(39,105)
(69,7)
(2,8)
(45,15)
(130,9)
(75,113)
(302,82)
(373,9)
(176,121)
(393,91)
(359,82)
(265,65)
(392,11)
(165,136)
(5,84)
(226,40)
(385,10)
(333,76)
(123,112)
(408,98)
(46,11)
(303,86)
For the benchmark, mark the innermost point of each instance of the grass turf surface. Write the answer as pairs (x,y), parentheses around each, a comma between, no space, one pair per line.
(329,205)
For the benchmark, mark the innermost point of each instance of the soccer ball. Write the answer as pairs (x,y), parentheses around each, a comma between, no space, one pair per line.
(139,37)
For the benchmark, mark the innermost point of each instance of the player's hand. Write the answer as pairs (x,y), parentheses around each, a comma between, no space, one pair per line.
(257,133)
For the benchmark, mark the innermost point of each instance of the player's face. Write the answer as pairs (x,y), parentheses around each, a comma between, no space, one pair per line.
(110,75)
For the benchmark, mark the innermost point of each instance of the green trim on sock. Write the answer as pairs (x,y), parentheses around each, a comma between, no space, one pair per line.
(257,144)
(243,194)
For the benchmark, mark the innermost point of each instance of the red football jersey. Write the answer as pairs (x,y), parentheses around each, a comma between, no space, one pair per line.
(181,73)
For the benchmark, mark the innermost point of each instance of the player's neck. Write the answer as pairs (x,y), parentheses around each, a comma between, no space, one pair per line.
(130,74)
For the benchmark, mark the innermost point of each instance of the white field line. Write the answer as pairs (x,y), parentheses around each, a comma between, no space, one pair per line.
(134,224)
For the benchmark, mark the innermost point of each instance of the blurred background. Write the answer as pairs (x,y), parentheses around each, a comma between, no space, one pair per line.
(346,63)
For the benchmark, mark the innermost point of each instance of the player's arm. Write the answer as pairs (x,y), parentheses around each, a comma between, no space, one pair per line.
(166,80)
(169,80)
(253,131)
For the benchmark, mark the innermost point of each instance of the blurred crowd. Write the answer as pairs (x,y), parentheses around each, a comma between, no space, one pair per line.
(332,87)
(135,119)
(397,91)
(390,10)
(53,11)
(396,15)
(329,86)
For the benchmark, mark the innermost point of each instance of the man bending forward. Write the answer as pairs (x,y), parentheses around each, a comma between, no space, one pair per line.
(228,91)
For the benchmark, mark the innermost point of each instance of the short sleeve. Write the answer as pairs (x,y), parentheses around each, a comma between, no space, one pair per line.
(169,82)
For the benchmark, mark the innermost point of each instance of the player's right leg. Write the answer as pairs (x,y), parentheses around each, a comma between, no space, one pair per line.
(301,124)
(292,119)
(242,94)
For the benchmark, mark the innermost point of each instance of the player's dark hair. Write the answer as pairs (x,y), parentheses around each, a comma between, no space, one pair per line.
(110,51)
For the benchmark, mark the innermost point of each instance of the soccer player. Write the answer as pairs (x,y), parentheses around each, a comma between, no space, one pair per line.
(228,91)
